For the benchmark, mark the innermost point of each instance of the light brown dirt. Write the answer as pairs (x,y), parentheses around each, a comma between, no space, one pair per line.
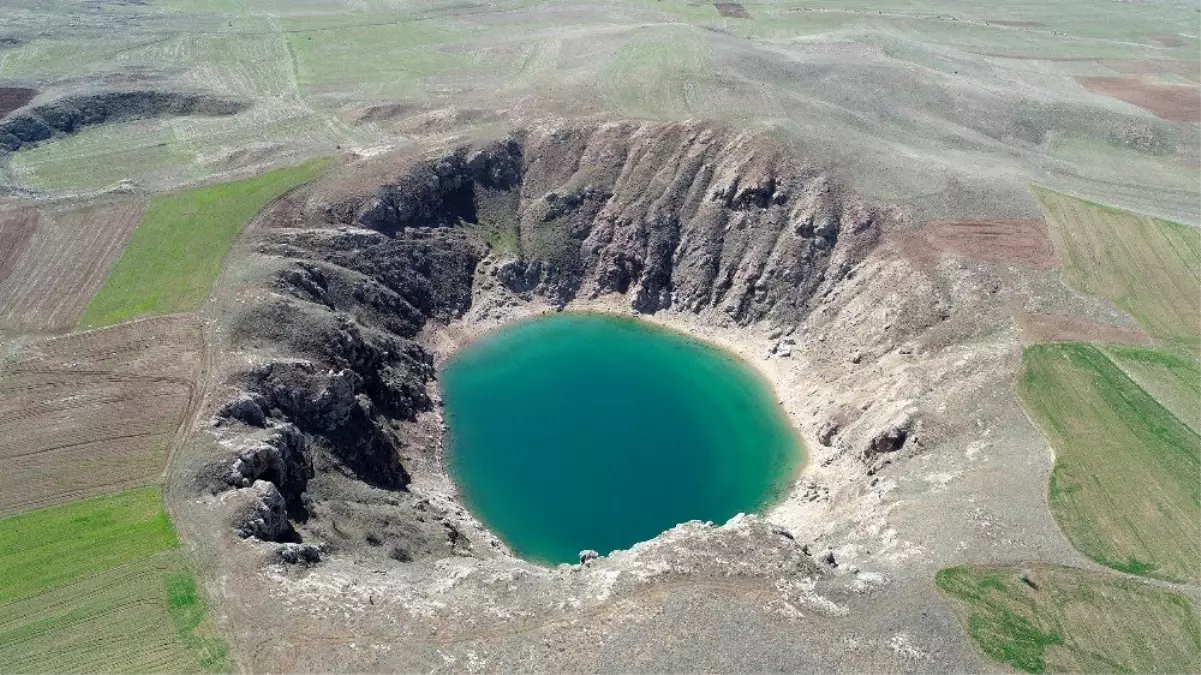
(1174,103)
(1064,328)
(12,98)
(93,412)
(1187,69)
(60,268)
(1006,242)
(16,229)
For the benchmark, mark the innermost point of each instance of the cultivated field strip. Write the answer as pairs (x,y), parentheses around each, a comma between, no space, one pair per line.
(1058,619)
(1174,380)
(118,621)
(17,226)
(1148,267)
(65,260)
(93,412)
(1124,489)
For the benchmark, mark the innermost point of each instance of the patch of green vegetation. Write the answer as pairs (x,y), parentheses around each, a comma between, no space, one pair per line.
(188,609)
(175,255)
(1055,619)
(47,548)
(1174,380)
(662,71)
(1126,487)
(1148,267)
(142,617)
(501,236)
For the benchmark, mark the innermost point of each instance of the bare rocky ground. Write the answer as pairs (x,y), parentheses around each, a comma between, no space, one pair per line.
(315,495)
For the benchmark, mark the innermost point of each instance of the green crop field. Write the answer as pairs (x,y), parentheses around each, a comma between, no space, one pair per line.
(42,549)
(175,255)
(1174,380)
(1067,620)
(98,585)
(142,617)
(1126,487)
(1150,268)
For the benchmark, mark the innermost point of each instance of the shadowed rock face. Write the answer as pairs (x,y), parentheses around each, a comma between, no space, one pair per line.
(688,216)
(75,113)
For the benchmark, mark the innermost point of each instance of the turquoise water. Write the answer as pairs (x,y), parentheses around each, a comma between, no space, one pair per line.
(585,431)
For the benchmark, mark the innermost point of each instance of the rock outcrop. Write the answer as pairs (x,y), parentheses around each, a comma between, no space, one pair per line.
(74,113)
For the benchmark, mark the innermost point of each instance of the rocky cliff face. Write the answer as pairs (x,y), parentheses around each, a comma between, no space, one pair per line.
(691,217)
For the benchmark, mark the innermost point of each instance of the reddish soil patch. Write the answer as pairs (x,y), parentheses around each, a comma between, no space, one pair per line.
(1170,41)
(1015,24)
(1065,328)
(16,230)
(93,412)
(1187,69)
(62,265)
(733,10)
(1006,242)
(1175,103)
(12,98)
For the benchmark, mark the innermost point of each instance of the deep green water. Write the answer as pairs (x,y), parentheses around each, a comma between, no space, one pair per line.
(584,431)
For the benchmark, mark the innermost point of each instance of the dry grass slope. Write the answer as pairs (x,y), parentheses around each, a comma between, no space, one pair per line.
(1150,268)
(93,412)
(1068,621)
(1126,487)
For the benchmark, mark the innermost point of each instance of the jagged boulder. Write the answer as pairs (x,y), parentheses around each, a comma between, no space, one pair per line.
(259,511)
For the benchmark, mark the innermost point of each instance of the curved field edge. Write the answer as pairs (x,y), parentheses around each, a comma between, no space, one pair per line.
(1125,488)
(1057,619)
(100,585)
(175,254)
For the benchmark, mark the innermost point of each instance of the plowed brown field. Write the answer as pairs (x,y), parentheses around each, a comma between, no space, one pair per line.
(1064,328)
(1008,242)
(93,412)
(1175,103)
(64,259)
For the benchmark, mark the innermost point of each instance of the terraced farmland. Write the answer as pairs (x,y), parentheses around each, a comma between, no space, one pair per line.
(1125,487)
(175,255)
(1057,619)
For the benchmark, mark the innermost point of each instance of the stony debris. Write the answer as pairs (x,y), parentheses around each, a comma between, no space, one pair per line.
(298,554)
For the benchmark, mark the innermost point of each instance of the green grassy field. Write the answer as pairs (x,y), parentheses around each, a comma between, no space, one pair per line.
(1074,621)
(1148,267)
(175,255)
(46,548)
(99,585)
(142,617)
(1126,487)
